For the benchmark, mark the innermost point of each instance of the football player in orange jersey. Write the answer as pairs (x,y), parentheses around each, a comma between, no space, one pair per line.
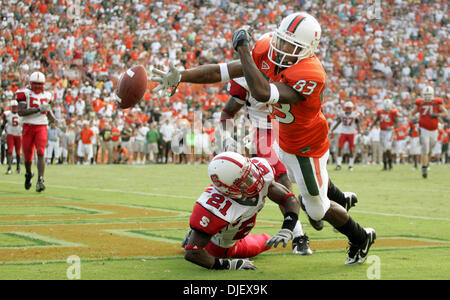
(430,110)
(283,72)
(387,117)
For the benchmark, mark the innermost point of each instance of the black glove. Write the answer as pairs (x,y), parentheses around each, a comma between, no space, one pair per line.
(241,37)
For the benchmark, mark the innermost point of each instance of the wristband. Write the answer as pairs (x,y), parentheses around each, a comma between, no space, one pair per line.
(287,196)
(228,113)
(224,75)
(221,264)
(193,247)
(290,220)
(274,94)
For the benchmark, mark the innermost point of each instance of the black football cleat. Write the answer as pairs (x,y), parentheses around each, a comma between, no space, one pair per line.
(28,177)
(9,172)
(351,200)
(300,245)
(40,186)
(357,254)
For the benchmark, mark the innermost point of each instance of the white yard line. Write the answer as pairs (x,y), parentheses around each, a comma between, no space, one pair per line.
(195,198)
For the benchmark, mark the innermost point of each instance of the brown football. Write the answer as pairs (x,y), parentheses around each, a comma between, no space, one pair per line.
(131,86)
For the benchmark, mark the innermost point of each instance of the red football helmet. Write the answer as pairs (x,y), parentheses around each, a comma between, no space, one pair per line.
(235,176)
(37,81)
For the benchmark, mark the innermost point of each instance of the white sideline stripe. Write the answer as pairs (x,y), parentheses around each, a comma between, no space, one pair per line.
(195,198)
(113,191)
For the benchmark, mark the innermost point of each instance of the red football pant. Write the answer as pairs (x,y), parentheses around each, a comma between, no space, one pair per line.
(264,149)
(250,246)
(14,142)
(34,136)
(350,138)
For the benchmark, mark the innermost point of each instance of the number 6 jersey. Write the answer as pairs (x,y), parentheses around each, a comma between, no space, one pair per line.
(227,219)
(303,129)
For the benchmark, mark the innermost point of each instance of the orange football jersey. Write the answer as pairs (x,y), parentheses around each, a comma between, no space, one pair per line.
(303,129)
(387,118)
(427,108)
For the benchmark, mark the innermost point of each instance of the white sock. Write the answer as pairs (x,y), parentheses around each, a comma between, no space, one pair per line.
(339,160)
(298,230)
(350,162)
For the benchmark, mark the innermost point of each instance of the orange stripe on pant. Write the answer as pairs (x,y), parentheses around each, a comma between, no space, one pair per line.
(318,174)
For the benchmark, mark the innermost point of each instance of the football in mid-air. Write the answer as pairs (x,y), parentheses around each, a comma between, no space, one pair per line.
(131,86)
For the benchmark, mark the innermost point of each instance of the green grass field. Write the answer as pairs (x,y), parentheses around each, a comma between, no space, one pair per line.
(126,222)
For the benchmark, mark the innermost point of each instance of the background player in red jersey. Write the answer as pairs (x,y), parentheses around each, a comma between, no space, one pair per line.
(13,123)
(226,212)
(34,108)
(430,109)
(387,117)
(350,126)
(283,72)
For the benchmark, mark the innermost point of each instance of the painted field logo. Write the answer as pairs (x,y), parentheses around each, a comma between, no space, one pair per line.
(51,229)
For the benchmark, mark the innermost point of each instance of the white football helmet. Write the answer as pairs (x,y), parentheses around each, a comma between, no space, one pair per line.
(235,176)
(37,80)
(387,104)
(13,103)
(300,30)
(348,106)
(428,93)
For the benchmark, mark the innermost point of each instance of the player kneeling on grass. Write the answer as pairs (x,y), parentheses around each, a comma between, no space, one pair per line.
(226,212)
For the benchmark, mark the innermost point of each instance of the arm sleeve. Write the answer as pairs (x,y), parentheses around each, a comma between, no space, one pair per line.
(205,221)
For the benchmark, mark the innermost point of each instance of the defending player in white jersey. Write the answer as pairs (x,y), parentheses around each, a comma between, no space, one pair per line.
(34,107)
(350,126)
(226,212)
(13,124)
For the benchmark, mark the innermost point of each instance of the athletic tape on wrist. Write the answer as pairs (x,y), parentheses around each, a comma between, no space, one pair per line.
(224,75)
(274,94)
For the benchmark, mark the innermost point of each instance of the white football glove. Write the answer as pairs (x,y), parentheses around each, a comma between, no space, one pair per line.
(166,80)
(44,107)
(284,235)
(241,264)
(229,144)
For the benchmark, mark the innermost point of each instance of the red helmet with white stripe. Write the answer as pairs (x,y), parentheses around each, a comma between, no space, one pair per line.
(37,81)
(235,176)
(302,31)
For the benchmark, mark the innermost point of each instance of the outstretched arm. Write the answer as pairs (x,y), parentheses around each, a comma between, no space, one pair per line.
(211,73)
(260,88)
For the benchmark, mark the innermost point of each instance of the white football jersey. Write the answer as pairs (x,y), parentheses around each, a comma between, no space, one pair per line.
(13,123)
(34,100)
(238,218)
(257,112)
(348,124)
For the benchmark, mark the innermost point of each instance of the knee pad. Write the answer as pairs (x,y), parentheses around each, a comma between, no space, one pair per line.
(316,206)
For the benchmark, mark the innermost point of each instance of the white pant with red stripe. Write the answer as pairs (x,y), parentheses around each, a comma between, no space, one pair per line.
(311,176)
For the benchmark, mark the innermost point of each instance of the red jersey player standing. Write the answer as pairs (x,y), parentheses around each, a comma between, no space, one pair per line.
(387,116)
(283,72)
(13,123)
(34,108)
(350,126)
(430,109)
